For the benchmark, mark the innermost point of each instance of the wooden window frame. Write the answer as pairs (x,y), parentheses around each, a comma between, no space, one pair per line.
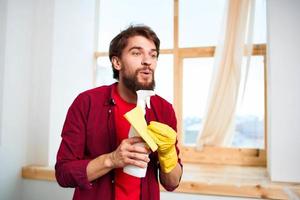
(214,155)
(208,155)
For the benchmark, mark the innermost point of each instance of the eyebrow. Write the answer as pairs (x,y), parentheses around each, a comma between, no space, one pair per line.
(140,48)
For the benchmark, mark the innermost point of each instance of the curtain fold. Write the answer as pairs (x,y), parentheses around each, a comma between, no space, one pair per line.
(218,123)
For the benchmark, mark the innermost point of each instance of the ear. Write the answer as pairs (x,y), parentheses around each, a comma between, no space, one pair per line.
(116,62)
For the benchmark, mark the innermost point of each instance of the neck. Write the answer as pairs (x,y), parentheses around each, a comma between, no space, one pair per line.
(126,94)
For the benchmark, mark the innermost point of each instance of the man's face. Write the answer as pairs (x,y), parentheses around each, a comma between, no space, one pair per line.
(137,64)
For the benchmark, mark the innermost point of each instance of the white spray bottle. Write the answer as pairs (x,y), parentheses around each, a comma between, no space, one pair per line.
(143,100)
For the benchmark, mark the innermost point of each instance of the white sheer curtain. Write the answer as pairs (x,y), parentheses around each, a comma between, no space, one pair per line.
(236,39)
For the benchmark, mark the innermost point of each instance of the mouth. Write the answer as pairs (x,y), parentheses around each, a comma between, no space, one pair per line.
(146,73)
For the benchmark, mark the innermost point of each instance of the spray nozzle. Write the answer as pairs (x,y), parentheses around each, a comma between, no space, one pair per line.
(143,98)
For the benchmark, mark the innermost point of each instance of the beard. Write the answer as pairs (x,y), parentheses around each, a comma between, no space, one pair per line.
(132,83)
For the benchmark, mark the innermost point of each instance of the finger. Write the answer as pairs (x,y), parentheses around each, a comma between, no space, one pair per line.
(156,137)
(137,163)
(161,131)
(161,128)
(134,140)
(139,156)
(139,148)
(129,142)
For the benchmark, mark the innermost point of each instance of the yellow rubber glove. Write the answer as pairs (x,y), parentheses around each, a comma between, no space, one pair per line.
(165,137)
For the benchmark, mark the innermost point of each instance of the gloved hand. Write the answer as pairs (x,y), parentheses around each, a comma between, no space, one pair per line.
(165,138)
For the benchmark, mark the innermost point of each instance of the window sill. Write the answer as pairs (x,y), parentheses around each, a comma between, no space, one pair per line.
(239,181)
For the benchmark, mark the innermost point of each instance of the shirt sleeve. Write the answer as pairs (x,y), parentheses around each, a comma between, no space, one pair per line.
(71,164)
(172,122)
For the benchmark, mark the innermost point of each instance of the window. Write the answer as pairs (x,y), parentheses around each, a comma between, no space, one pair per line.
(116,15)
(189,31)
(249,122)
(200,22)
(195,94)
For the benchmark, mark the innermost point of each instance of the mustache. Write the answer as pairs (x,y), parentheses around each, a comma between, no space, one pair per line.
(145,68)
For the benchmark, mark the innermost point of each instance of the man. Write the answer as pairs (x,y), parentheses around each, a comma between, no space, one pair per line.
(95,145)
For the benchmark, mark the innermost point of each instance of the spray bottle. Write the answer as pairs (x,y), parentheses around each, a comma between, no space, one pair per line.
(143,100)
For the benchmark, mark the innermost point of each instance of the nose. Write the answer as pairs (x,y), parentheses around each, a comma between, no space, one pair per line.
(146,61)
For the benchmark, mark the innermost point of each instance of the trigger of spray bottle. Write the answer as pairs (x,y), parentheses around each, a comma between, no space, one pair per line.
(143,98)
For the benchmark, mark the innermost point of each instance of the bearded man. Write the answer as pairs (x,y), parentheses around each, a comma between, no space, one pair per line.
(95,146)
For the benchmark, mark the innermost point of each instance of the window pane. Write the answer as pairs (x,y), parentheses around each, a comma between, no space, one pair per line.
(249,130)
(260,23)
(209,16)
(200,22)
(197,73)
(104,73)
(116,15)
(164,77)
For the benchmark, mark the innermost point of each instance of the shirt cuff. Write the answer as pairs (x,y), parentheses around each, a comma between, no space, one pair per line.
(79,173)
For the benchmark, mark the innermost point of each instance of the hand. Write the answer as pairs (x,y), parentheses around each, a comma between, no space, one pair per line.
(165,138)
(129,152)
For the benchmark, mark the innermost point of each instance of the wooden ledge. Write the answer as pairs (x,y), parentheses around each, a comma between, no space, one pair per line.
(209,180)
(36,172)
(240,181)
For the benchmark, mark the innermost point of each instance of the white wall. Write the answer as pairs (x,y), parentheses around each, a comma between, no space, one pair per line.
(40,82)
(73,51)
(63,49)
(16,65)
(47,60)
(45,190)
(283,90)
(2,48)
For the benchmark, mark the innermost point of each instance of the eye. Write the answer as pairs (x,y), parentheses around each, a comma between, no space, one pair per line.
(135,53)
(154,55)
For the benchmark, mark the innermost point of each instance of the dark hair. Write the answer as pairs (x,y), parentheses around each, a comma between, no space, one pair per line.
(118,44)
